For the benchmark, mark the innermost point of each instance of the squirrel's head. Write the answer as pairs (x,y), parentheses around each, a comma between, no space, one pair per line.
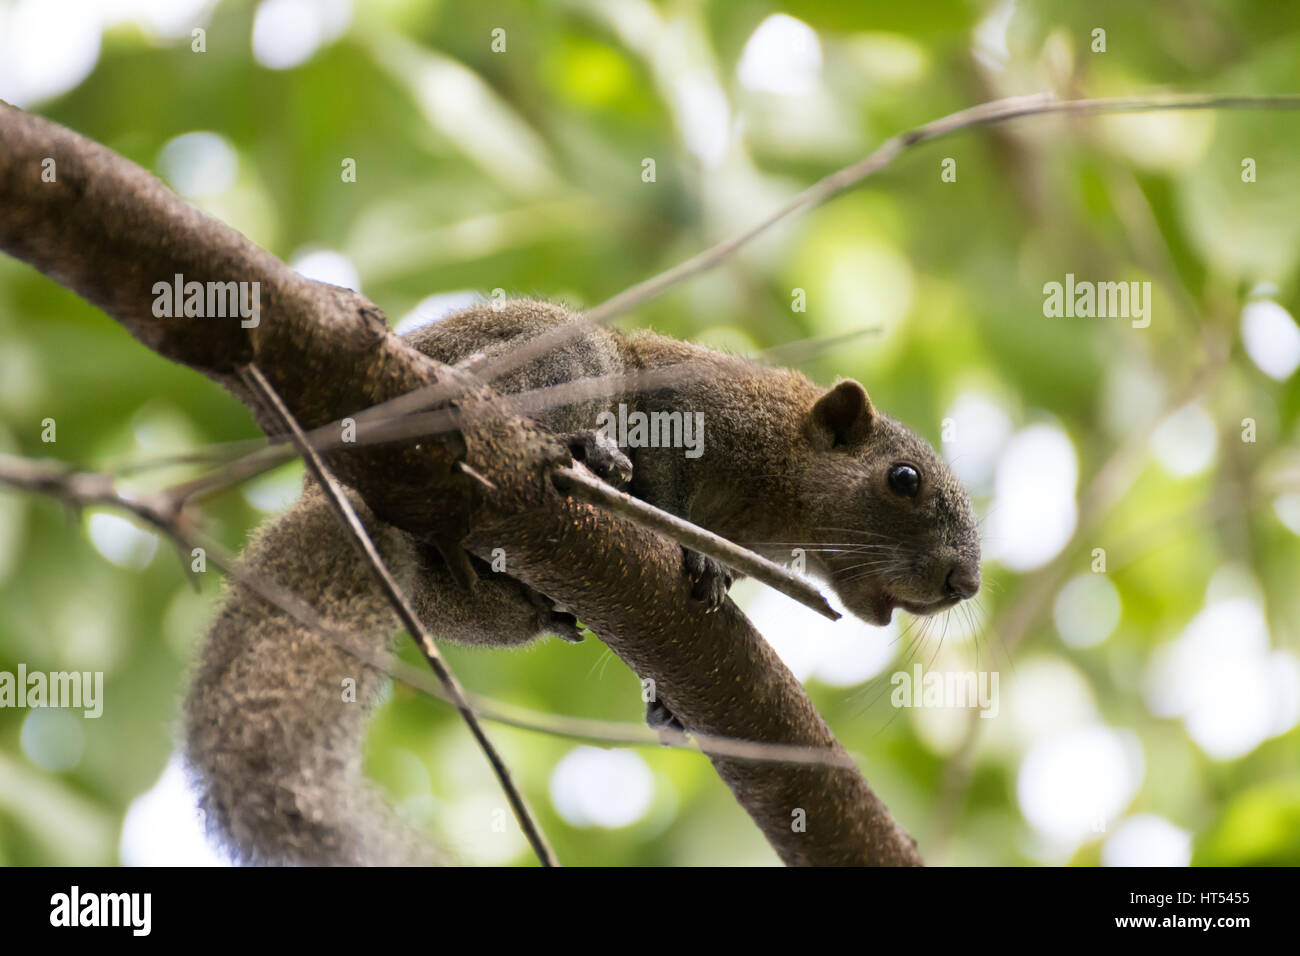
(894,526)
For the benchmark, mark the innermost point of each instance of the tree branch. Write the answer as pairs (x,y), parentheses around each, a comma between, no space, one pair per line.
(984,114)
(405,613)
(171,512)
(110,231)
(583,485)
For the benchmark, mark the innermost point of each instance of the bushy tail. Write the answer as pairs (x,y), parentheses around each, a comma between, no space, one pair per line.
(273,732)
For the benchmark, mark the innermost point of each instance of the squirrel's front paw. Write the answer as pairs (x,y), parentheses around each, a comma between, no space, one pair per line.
(602,456)
(711,579)
(660,718)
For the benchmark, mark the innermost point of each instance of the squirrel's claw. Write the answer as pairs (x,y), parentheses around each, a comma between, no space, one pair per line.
(712,579)
(602,456)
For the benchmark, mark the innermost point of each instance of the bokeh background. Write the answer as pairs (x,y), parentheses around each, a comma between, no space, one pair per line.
(1148,705)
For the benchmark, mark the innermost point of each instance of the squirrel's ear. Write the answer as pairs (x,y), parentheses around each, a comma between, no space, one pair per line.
(845,412)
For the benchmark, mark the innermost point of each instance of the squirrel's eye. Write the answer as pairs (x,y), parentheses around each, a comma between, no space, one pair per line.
(904,480)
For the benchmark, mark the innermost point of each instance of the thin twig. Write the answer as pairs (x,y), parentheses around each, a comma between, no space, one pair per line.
(588,489)
(163,511)
(985,114)
(408,416)
(213,452)
(583,485)
(78,489)
(347,514)
(324,438)
(233,472)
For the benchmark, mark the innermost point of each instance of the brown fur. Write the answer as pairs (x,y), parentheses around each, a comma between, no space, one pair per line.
(785,464)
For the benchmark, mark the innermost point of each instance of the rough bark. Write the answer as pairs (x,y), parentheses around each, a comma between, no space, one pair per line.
(109,231)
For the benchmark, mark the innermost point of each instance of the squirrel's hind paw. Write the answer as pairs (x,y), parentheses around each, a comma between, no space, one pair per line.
(564,626)
(551,620)
(660,718)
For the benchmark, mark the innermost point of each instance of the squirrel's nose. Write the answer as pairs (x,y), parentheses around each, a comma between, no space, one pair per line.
(963,580)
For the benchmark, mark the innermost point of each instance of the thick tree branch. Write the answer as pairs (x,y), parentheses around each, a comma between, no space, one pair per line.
(110,231)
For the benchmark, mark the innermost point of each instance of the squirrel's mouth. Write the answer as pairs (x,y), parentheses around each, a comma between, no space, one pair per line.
(933,607)
(873,599)
(879,608)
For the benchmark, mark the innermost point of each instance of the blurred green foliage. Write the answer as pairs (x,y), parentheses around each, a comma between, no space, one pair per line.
(522,170)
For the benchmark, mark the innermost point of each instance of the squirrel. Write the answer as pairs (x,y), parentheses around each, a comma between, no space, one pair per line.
(271,737)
